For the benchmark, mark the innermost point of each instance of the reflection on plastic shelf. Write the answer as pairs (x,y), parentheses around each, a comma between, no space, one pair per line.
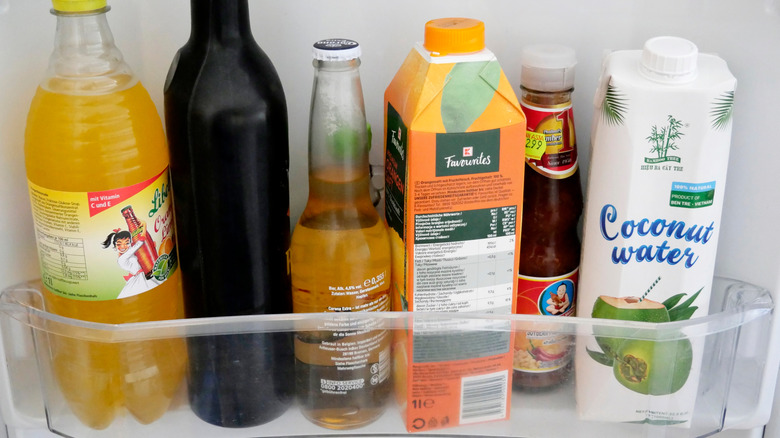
(5,6)
(729,382)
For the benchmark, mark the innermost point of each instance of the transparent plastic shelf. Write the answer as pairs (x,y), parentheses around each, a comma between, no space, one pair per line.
(735,335)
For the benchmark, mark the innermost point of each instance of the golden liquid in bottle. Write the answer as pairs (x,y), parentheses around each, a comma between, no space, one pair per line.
(100,142)
(340,258)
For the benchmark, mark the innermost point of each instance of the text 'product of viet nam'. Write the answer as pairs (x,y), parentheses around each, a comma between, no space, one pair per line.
(654,199)
(454,153)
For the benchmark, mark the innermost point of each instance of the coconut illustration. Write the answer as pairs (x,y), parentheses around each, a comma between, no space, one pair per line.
(630,309)
(653,367)
(648,367)
(627,309)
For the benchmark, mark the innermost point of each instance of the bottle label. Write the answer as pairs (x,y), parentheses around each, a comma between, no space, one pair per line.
(360,295)
(544,351)
(547,295)
(350,353)
(550,143)
(111,244)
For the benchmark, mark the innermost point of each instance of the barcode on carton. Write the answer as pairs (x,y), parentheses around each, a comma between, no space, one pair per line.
(484,397)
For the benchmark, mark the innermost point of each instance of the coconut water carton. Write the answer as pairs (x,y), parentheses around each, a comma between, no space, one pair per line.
(660,147)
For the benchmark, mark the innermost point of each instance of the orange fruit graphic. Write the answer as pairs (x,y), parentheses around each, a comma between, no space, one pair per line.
(166,246)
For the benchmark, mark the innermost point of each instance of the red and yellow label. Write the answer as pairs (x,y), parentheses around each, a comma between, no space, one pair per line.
(551,146)
(106,245)
(553,296)
(544,351)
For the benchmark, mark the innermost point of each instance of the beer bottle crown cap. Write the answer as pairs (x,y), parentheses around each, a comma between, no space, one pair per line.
(450,36)
(336,49)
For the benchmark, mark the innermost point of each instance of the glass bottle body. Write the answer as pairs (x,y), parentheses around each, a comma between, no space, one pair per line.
(226,121)
(550,244)
(340,260)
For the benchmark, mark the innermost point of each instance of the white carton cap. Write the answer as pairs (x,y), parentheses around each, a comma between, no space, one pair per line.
(548,67)
(669,59)
(336,49)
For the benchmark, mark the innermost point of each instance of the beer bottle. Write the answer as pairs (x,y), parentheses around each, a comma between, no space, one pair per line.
(340,254)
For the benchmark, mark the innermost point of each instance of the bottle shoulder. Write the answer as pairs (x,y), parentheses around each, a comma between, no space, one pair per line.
(218,78)
(236,60)
(340,228)
(95,142)
(347,216)
(85,59)
(551,99)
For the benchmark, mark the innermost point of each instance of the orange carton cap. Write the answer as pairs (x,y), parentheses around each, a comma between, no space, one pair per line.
(445,36)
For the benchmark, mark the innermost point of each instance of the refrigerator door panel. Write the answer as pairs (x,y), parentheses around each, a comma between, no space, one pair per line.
(149,32)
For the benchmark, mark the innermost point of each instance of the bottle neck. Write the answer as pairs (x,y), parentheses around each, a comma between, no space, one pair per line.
(85,58)
(553,158)
(546,98)
(130,218)
(224,21)
(338,134)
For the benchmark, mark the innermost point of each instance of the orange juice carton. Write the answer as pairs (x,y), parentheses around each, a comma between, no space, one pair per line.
(454,136)
(661,140)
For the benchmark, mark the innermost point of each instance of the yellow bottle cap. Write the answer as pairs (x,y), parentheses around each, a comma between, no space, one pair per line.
(78,5)
(445,36)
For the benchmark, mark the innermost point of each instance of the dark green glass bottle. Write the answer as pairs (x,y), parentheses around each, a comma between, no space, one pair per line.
(226,120)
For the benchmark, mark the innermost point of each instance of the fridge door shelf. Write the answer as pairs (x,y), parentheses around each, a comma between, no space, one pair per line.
(735,335)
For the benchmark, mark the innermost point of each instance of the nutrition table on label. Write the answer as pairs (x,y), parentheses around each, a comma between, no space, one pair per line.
(63,256)
(464,260)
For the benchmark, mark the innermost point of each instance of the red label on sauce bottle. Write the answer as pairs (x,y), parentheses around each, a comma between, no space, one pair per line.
(552,129)
(544,351)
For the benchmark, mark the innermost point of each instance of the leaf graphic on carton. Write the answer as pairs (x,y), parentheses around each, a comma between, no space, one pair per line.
(469,89)
(722,110)
(600,357)
(346,143)
(615,106)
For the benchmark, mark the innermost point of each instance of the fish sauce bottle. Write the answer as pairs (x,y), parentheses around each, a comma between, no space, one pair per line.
(226,120)
(340,254)
(552,206)
(95,150)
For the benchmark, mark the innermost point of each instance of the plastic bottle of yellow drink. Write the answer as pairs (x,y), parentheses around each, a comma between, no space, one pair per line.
(340,255)
(94,146)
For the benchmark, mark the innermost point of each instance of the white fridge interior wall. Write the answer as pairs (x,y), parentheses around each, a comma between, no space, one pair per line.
(745,34)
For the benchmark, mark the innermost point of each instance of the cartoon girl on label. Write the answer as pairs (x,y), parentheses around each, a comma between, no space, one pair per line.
(136,281)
